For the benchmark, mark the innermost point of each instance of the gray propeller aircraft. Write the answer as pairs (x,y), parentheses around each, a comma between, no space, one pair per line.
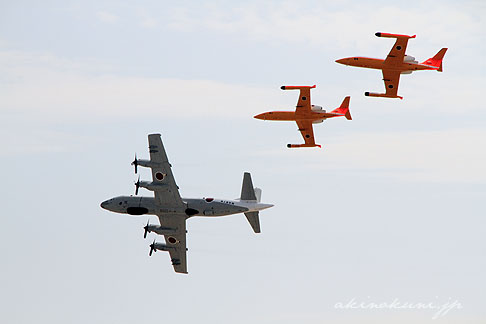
(173,211)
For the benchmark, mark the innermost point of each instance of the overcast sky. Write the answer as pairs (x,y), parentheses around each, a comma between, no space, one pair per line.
(392,206)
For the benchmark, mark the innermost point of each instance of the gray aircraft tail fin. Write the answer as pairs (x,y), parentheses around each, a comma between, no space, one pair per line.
(250,193)
(254,221)
(247,191)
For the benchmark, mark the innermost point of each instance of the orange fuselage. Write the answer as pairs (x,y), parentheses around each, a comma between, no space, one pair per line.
(294,116)
(372,63)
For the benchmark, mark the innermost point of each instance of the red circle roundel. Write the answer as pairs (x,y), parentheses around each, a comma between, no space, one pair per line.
(172,240)
(159,176)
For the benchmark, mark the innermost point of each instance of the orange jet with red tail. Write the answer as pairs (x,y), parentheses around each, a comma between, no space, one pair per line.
(396,63)
(306,114)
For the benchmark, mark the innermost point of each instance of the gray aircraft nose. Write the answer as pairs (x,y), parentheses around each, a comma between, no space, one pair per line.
(104,204)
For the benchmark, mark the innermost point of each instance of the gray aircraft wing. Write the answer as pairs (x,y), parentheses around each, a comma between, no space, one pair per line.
(167,194)
(168,200)
(176,241)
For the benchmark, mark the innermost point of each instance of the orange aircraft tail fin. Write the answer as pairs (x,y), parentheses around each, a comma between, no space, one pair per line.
(344,108)
(437,59)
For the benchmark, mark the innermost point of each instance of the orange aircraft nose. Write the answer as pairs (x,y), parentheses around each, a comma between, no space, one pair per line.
(342,61)
(260,116)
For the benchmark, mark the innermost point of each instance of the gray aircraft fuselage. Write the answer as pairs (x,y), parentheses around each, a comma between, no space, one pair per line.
(134,205)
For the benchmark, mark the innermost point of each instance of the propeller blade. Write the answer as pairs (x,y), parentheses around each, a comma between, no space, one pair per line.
(152,248)
(146,230)
(135,163)
(137,185)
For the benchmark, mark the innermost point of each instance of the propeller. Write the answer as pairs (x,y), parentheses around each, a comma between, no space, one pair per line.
(146,228)
(137,185)
(135,163)
(152,248)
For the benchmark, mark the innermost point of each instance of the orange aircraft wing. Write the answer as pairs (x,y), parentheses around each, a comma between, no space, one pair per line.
(391,78)
(397,53)
(305,128)
(304,103)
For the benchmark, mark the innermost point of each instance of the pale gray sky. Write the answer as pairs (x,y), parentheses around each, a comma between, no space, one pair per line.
(391,207)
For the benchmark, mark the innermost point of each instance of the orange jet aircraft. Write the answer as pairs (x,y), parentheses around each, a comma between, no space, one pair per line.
(306,114)
(396,63)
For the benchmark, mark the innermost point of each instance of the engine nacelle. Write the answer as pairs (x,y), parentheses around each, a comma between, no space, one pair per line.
(146,163)
(152,186)
(162,247)
(317,108)
(409,59)
(161,230)
(318,121)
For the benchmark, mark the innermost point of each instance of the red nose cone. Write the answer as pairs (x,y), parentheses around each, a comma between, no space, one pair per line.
(260,116)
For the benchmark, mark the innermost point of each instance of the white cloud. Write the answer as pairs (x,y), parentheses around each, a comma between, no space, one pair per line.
(343,26)
(22,140)
(146,18)
(456,155)
(77,96)
(3,43)
(149,22)
(82,89)
(43,87)
(439,156)
(107,17)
